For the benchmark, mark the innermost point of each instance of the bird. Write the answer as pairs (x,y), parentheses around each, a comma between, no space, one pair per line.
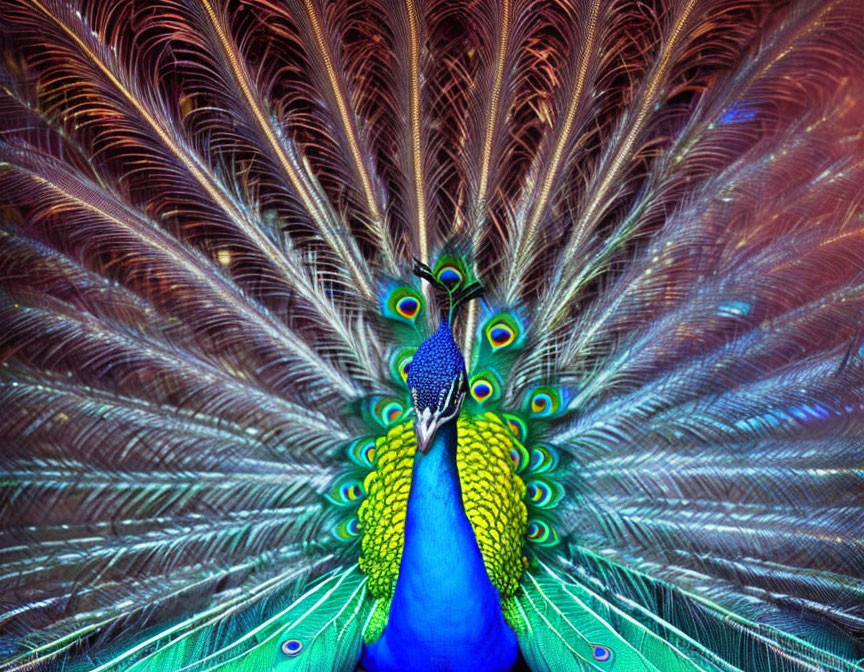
(402,335)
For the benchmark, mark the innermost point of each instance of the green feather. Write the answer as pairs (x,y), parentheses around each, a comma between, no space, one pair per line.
(559,622)
(327,620)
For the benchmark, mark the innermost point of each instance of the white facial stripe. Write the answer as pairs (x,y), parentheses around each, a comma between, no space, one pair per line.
(456,409)
(454,388)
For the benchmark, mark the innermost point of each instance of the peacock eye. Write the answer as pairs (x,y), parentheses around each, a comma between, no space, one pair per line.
(387,411)
(540,403)
(400,362)
(500,335)
(481,390)
(403,304)
(601,653)
(392,412)
(362,452)
(407,307)
(546,402)
(291,647)
(541,533)
(404,368)
(347,530)
(520,457)
(542,460)
(352,492)
(517,426)
(450,277)
(541,494)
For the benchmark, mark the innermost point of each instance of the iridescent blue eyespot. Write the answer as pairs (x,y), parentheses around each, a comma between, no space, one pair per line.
(392,412)
(387,411)
(501,336)
(542,460)
(545,402)
(601,653)
(403,369)
(537,492)
(400,362)
(346,491)
(402,304)
(534,530)
(352,492)
(541,533)
(519,455)
(449,276)
(407,307)
(542,493)
(347,530)
(291,647)
(485,386)
(540,404)
(482,389)
(362,452)
(517,426)
(502,330)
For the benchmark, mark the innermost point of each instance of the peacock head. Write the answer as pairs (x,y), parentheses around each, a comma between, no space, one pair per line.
(438,383)
(436,376)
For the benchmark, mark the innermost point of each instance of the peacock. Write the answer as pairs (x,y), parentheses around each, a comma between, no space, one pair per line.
(406,335)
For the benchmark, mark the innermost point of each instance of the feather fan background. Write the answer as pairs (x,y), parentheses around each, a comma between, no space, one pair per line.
(202,202)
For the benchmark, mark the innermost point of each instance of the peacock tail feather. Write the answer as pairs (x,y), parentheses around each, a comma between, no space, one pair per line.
(221,222)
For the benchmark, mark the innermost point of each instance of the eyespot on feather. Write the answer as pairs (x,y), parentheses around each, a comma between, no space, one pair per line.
(485,386)
(520,457)
(601,653)
(402,304)
(400,362)
(362,452)
(502,330)
(500,335)
(481,390)
(543,459)
(546,402)
(408,307)
(386,411)
(291,647)
(450,277)
(347,490)
(542,493)
(347,529)
(452,272)
(541,533)
(517,426)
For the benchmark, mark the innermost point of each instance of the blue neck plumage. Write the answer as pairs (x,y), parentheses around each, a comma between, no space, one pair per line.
(445,612)
(441,564)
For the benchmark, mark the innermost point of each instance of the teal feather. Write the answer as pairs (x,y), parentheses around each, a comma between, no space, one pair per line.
(327,620)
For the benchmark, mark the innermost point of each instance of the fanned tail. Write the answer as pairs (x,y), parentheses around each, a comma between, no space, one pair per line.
(208,212)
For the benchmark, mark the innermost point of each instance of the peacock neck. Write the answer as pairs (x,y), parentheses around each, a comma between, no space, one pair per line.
(437,531)
(445,614)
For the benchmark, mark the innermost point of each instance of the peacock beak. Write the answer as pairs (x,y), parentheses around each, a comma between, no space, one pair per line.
(425,428)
